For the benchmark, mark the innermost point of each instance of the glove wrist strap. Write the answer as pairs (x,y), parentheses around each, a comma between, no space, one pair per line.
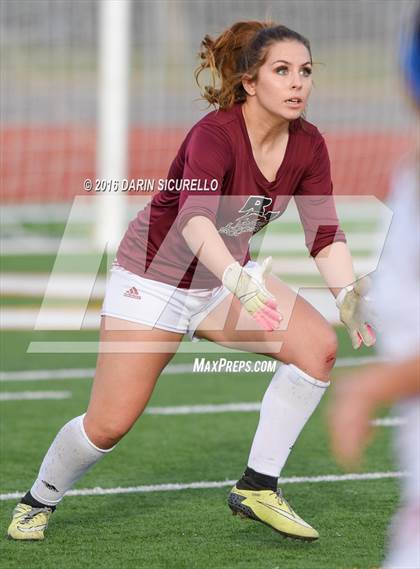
(341,295)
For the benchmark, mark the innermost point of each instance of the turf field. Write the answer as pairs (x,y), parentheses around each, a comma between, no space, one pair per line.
(183,528)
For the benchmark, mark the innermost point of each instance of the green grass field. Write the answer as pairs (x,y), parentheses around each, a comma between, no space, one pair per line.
(184,528)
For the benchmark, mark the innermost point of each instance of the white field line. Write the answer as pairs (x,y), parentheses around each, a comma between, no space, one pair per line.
(36,244)
(47,374)
(176,409)
(350,208)
(171,369)
(243,408)
(75,285)
(295,242)
(204,485)
(204,409)
(388,422)
(70,318)
(66,286)
(277,242)
(208,409)
(33,395)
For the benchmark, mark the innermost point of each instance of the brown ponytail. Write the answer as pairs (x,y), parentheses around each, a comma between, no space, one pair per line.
(239,50)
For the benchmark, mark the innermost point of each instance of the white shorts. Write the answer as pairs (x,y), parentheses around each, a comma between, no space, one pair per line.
(156,304)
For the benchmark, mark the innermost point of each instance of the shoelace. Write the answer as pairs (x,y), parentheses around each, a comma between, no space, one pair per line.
(282,500)
(34,512)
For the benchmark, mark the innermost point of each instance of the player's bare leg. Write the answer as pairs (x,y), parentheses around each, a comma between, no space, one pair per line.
(124,382)
(304,337)
(131,359)
(306,344)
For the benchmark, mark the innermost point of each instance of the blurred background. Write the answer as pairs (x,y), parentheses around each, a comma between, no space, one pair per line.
(88,93)
(105,89)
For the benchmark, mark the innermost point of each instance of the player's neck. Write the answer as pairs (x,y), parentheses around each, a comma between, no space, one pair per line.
(264,129)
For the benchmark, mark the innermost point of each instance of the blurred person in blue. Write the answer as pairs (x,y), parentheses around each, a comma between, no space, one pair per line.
(396,297)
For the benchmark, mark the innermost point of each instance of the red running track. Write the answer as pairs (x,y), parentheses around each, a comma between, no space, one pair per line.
(49,164)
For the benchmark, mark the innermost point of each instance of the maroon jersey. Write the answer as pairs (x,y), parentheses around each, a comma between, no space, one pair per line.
(215,175)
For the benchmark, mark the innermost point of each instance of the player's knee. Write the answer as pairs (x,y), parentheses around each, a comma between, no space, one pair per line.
(325,352)
(106,434)
(329,347)
(319,359)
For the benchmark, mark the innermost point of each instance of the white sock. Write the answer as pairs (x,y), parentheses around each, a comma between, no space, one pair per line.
(69,457)
(289,401)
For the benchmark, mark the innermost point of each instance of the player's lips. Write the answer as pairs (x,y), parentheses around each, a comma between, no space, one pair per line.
(294,102)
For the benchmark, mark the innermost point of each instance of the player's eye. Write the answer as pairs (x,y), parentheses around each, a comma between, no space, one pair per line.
(306,71)
(282,70)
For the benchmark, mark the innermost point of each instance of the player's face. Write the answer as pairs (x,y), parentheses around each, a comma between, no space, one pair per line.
(284,81)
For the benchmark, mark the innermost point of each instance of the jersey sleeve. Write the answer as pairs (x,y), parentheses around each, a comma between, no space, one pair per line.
(208,157)
(315,202)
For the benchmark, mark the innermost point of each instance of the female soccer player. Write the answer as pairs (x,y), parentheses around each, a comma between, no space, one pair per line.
(183,267)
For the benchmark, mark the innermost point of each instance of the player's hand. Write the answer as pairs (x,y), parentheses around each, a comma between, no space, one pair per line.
(250,290)
(356,313)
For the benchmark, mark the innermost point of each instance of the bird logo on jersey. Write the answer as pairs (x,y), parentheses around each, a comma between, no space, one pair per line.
(255,216)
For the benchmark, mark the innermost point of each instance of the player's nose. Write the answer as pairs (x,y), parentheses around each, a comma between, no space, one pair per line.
(296,80)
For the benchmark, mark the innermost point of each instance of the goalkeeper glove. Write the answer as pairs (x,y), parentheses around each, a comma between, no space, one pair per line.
(250,289)
(355,312)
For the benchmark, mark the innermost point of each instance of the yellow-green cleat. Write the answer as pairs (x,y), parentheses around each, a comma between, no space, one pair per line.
(29,523)
(271,509)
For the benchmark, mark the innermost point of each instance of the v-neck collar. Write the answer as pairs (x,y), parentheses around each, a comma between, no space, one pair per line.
(261,179)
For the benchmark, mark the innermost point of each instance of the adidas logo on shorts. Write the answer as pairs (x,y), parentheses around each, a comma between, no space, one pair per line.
(132,293)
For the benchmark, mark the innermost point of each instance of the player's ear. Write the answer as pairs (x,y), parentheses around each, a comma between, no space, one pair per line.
(248,84)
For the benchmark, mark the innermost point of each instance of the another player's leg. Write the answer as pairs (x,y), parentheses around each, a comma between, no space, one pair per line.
(121,389)
(306,345)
